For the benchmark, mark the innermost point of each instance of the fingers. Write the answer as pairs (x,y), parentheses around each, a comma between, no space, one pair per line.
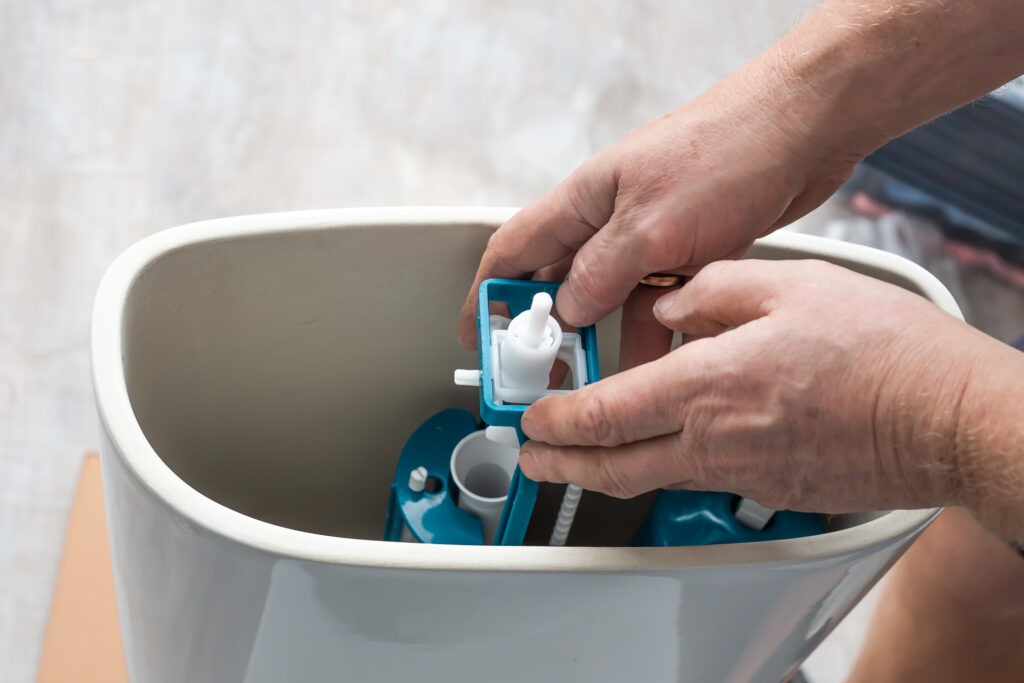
(722,295)
(543,233)
(606,269)
(622,472)
(556,272)
(643,338)
(640,403)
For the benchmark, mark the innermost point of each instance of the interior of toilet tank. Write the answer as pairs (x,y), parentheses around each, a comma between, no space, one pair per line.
(280,374)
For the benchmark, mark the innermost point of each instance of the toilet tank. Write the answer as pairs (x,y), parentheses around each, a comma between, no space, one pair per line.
(255,380)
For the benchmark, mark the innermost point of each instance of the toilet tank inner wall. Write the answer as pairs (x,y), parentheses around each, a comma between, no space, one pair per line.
(280,374)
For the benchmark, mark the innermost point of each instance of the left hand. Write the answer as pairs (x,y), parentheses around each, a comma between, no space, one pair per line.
(804,386)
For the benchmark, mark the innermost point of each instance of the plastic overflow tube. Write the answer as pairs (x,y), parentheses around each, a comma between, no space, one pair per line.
(457,480)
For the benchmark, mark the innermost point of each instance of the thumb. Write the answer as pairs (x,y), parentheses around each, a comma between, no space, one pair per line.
(722,295)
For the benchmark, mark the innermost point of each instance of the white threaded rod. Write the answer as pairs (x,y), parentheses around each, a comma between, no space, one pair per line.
(566,514)
(537,319)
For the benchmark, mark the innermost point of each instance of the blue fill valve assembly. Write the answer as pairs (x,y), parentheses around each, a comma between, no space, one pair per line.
(457,480)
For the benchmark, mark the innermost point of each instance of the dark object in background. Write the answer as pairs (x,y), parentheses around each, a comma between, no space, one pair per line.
(965,170)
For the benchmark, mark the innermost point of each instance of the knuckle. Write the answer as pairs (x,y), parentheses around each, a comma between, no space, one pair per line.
(495,250)
(539,465)
(611,480)
(664,243)
(591,190)
(712,273)
(597,422)
(586,279)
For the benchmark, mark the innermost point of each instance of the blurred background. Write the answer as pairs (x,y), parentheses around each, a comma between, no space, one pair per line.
(124,117)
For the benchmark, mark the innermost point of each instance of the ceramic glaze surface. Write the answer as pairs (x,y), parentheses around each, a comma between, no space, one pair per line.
(243,493)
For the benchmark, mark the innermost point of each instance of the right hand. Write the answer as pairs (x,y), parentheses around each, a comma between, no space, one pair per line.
(804,386)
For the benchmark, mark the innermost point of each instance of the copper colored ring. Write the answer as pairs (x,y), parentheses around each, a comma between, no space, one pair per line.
(662,280)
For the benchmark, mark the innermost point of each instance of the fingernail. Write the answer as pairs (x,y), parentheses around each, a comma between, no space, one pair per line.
(568,307)
(528,463)
(527,424)
(663,306)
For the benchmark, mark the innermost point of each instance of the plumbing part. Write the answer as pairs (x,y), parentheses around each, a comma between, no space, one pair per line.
(681,518)
(527,354)
(752,514)
(530,345)
(467,378)
(515,359)
(482,471)
(503,435)
(418,479)
(566,514)
(430,515)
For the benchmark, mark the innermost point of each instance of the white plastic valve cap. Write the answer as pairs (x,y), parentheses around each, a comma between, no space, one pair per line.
(468,378)
(752,514)
(418,479)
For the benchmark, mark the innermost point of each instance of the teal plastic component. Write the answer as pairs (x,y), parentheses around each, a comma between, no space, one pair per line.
(680,518)
(518,294)
(432,517)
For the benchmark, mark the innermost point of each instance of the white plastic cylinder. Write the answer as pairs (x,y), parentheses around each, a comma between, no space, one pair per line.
(531,345)
(482,470)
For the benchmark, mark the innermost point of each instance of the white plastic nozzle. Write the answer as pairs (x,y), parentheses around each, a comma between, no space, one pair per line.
(536,319)
(482,471)
(418,479)
(753,515)
(467,378)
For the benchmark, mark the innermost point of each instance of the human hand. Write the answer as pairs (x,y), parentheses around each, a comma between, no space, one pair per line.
(762,147)
(834,392)
(696,185)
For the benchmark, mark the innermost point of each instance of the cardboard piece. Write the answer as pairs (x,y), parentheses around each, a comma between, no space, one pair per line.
(83,640)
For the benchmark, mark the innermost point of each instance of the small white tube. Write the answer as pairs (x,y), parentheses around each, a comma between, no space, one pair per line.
(482,470)
(536,319)
(468,378)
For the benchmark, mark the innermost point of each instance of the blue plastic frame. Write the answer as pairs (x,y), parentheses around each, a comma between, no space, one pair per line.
(518,294)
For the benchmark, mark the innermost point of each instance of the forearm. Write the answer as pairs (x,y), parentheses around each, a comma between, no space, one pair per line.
(953,610)
(859,73)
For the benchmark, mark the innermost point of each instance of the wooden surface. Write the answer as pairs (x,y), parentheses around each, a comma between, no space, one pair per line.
(83,643)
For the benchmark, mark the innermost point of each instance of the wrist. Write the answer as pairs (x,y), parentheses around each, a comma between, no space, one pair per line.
(989,440)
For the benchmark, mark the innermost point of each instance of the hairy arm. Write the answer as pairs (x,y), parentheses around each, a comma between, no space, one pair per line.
(761,148)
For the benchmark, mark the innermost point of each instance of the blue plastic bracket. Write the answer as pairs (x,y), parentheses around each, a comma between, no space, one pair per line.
(518,294)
